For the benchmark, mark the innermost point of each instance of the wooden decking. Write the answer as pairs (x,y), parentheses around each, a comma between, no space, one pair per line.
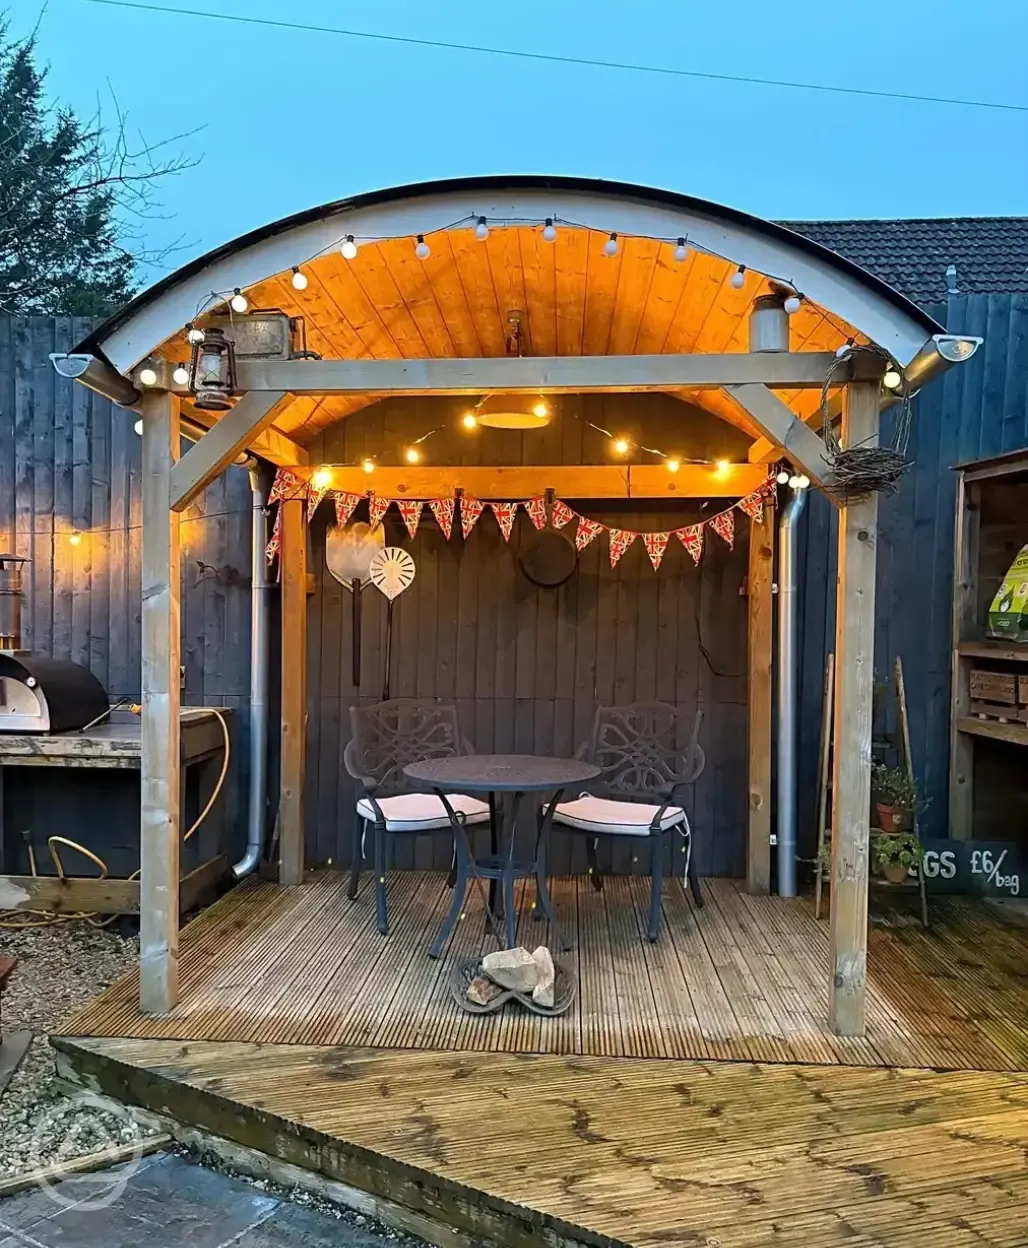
(743,979)
(547,1151)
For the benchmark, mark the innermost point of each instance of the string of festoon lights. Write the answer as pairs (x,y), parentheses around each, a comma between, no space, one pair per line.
(348,245)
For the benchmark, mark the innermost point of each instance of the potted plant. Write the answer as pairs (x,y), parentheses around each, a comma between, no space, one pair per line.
(896,854)
(895,797)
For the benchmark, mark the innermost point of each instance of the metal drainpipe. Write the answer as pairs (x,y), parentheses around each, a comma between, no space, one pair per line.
(260,592)
(787,692)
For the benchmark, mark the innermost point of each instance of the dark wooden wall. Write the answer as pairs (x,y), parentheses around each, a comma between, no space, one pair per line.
(70,460)
(978,409)
(528,666)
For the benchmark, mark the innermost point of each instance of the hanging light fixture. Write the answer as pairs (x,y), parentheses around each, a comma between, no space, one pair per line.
(622,445)
(893,379)
(681,251)
(549,231)
(421,248)
(610,247)
(212,371)
(672,463)
(181,375)
(368,464)
(512,411)
(148,376)
(349,248)
(299,279)
(792,303)
(412,455)
(238,302)
(193,335)
(738,279)
(481,229)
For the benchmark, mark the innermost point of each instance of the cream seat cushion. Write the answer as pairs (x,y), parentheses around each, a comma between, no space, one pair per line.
(609,817)
(423,812)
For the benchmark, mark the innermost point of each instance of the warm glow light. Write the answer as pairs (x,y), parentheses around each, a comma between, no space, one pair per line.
(194,335)
(349,248)
(803,481)
(673,464)
(321,478)
(181,375)
(469,420)
(239,302)
(783,477)
(299,280)
(148,377)
(722,465)
(412,455)
(368,464)
(76,538)
(892,379)
(540,410)
(621,445)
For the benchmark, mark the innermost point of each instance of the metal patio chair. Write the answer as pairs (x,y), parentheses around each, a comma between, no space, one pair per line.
(385,738)
(641,790)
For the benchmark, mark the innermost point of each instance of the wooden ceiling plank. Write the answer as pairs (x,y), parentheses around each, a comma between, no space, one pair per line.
(508,279)
(328,331)
(670,280)
(571,262)
(636,277)
(346,291)
(425,286)
(538,267)
(603,272)
(472,261)
(372,273)
(704,282)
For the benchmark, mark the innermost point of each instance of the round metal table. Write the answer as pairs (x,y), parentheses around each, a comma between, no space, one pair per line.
(514,774)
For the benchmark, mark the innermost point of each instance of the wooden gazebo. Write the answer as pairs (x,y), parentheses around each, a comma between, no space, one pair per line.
(616,289)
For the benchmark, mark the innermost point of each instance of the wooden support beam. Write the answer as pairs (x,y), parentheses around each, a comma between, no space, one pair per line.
(568,482)
(547,374)
(758,700)
(68,896)
(160,778)
(854,689)
(965,625)
(271,444)
(293,562)
(783,427)
(233,433)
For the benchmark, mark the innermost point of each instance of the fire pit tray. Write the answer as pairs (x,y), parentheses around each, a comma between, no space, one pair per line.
(565,988)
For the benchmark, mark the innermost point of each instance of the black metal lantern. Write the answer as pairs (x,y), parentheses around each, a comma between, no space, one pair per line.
(212,371)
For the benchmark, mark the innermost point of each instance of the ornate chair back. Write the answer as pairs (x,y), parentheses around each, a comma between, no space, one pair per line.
(645,750)
(389,735)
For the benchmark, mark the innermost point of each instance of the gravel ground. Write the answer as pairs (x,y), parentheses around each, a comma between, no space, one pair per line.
(59,968)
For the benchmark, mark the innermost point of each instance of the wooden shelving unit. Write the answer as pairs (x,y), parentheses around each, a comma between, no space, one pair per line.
(991,526)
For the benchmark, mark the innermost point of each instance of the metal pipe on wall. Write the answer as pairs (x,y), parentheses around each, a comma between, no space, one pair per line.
(787,691)
(260,596)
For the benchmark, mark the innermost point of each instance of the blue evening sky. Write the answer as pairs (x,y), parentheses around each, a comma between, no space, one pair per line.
(294,119)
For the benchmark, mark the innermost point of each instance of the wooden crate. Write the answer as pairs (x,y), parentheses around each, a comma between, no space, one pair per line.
(999,687)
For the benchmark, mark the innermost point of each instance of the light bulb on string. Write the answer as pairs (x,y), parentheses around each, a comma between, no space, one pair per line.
(349,248)
(792,304)
(783,477)
(794,481)
(76,538)
(138,426)
(722,466)
(540,410)
(469,420)
(549,231)
(621,445)
(681,251)
(299,279)
(802,481)
(181,375)
(238,302)
(321,479)
(738,279)
(193,335)
(412,455)
(673,463)
(481,229)
(610,247)
(148,376)
(844,349)
(368,464)
(422,249)
(893,379)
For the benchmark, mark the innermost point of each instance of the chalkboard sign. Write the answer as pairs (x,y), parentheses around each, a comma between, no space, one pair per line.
(980,868)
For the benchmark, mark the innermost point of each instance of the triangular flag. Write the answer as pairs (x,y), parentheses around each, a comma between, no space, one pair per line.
(442,509)
(377,508)
(656,544)
(505,513)
(620,540)
(724,526)
(561,514)
(587,530)
(411,512)
(275,541)
(314,497)
(345,504)
(286,485)
(691,538)
(753,504)
(536,508)
(470,510)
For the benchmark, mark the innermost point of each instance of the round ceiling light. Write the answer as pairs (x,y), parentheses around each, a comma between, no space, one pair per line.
(514,411)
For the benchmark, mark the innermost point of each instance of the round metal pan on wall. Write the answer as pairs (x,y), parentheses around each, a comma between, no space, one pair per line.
(547,558)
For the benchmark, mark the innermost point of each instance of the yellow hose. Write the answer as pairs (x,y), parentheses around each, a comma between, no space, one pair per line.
(44,917)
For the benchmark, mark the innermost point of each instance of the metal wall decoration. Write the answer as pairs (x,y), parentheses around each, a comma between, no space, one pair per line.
(392,571)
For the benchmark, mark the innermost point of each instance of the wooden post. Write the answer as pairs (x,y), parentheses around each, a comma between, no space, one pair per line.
(160,764)
(854,687)
(758,699)
(965,626)
(293,558)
